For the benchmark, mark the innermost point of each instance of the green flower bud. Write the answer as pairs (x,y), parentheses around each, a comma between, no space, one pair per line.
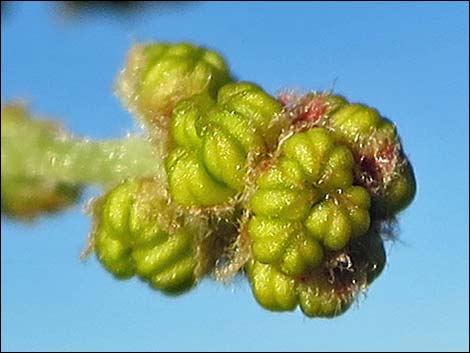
(224,157)
(114,254)
(305,203)
(335,221)
(327,291)
(368,252)
(191,184)
(251,102)
(168,263)
(355,123)
(138,232)
(398,193)
(382,166)
(185,120)
(272,289)
(330,291)
(277,241)
(215,142)
(288,204)
(318,298)
(158,75)
(297,190)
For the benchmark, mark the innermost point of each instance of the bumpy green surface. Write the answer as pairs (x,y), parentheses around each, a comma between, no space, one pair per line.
(214,143)
(327,291)
(158,75)
(306,204)
(135,236)
(304,184)
(377,147)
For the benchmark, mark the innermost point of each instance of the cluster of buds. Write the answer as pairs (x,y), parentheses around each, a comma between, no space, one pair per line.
(294,192)
(290,191)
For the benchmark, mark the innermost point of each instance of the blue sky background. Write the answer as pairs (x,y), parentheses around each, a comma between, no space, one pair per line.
(410,60)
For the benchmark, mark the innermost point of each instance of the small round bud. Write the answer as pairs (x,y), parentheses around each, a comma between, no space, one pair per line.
(139,232)
(159,75)
(273,290)
(114,254)
(216,143)
(327,290)
(380,164)
(305,203)
(382,168)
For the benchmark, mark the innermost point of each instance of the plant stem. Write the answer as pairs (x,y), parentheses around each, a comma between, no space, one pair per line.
(80,161)
(44,168)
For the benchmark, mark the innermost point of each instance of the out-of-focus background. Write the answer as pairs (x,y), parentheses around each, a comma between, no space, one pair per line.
(410,60)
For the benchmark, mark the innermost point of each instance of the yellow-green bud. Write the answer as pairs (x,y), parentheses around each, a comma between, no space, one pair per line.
(305,203)
(159,75)
(215,142)
(139,232)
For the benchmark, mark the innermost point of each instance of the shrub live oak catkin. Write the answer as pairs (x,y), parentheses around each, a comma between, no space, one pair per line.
(294,192)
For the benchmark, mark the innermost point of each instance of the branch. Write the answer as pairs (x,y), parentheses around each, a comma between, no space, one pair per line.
(44,168)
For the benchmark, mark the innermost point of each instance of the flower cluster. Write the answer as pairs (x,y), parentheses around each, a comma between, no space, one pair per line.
(294,192)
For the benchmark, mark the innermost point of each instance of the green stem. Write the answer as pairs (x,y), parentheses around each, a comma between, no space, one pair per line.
(79,161)
(34,148)
(43,168)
